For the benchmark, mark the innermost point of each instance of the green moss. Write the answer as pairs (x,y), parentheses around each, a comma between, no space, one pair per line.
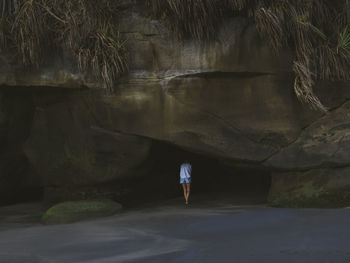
(321,199)
(73,211)
(314,188)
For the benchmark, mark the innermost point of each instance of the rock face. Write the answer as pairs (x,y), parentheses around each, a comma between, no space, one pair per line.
(15,120)
(322,152)
(50,138)
(244,117)
(77,151)
(326,142)
(313,188)
(231,99)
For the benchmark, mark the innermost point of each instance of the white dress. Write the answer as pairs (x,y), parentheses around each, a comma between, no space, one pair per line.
(185,173)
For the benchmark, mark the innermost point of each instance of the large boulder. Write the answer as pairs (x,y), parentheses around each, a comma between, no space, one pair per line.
(326,142)
(323,187)
(238,116)
(230,98)
(322,153)
(67,147)
(18,179)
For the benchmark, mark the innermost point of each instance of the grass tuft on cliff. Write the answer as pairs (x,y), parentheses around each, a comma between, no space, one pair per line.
(36,28)
(317,31)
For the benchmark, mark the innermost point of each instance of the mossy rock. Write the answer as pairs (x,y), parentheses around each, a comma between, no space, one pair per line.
(72,211)
(325,200)
(317,188)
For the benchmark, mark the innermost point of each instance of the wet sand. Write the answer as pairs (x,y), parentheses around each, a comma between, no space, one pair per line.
(205,231)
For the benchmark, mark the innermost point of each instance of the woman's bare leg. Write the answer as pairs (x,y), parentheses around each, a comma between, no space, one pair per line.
(185,191)
(188,188)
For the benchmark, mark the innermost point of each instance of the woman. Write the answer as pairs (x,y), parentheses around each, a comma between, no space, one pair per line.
(185,179)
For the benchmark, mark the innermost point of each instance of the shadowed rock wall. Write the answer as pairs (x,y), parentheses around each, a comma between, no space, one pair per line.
(231,99)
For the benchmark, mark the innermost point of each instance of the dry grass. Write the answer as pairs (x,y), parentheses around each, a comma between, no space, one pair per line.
(29,32)
(195,18)
(303,85)
(87,28)
(104,55)
(268,24)
(317,31)
(89,31)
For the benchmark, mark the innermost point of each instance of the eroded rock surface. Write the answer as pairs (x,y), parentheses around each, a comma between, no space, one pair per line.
(231,98)
(323,187)
(326,142)
(76,150)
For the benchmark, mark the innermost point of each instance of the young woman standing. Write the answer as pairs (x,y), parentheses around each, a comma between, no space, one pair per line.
(185,179)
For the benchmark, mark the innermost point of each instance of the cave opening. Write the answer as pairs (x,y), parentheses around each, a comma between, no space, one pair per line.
(20,182)
(157,179)
(213,179)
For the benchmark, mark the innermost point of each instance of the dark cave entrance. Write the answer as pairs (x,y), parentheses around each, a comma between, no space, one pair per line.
(19,181)
(213,180)
(158,179)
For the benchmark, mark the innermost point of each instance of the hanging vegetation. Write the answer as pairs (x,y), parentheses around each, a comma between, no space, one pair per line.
(316,30)
(87,28)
